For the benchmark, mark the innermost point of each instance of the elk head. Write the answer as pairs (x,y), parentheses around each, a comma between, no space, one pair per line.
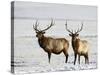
(74,34)
(40,33)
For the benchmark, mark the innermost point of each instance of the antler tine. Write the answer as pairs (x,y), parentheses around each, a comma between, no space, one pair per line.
(36,24)
(68,29)
(49,25)
(79,29)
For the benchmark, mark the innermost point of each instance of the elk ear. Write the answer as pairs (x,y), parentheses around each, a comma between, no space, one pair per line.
(70,34)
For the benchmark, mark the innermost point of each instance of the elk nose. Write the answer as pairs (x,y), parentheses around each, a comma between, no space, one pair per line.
(36,36)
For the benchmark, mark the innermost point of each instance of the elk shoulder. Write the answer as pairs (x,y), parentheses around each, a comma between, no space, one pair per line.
(83,48)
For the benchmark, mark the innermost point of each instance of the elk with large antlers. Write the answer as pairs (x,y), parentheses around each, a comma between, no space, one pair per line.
(49,44)
(80,47)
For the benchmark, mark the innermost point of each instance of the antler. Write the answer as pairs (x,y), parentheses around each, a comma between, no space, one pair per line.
(79,29)
(68,29)
(49,26)
(35,26)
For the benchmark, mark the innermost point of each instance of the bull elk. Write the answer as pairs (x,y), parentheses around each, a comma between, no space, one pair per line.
(49,44)
(80,47)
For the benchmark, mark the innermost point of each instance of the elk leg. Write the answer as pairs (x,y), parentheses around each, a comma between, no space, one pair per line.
(86,59)
(66,58)
(49,56)
(79,59)
(66,54)
(75,55)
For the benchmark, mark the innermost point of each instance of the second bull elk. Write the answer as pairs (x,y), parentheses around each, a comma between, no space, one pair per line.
(49,44)
(80,47)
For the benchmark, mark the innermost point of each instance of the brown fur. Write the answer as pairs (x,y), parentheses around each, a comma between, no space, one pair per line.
(75,44)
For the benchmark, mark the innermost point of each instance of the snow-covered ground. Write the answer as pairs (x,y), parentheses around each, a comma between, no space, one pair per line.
(34,59)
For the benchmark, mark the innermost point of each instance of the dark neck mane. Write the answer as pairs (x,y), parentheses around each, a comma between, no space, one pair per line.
(41,41)
(75,43)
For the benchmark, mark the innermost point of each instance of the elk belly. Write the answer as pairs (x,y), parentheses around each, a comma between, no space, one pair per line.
(57,47)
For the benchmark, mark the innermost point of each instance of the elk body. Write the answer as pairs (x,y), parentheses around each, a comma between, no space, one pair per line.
(49,44)
(80,47)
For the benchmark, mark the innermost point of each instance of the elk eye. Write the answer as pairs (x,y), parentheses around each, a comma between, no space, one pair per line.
(43,32)
(77,34)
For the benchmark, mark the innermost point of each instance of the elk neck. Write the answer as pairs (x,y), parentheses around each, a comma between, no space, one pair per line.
(75,43)
(41,41)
